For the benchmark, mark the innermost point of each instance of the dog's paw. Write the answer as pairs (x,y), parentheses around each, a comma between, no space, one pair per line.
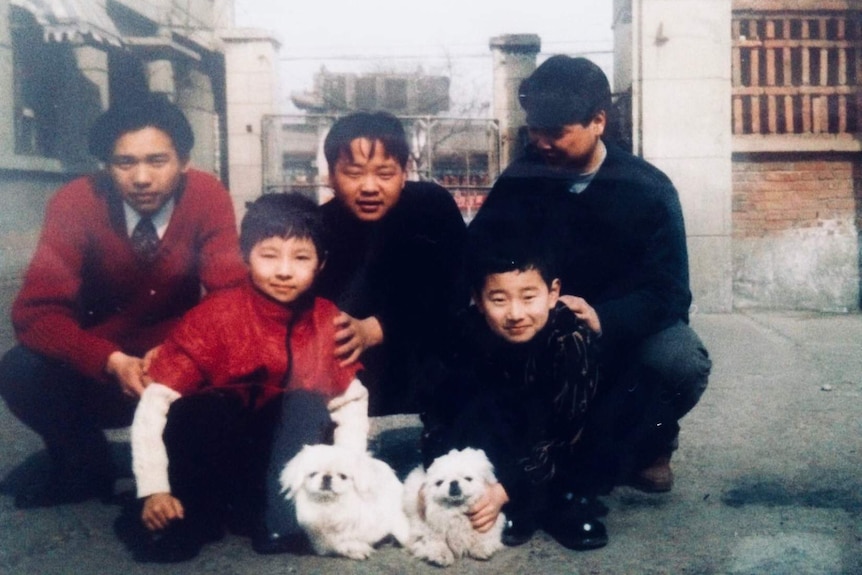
(358,550)
(434,552)
(485,548)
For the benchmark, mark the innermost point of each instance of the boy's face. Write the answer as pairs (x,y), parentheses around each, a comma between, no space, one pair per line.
(516,304)
(284,269)
(146,169)
(368,184)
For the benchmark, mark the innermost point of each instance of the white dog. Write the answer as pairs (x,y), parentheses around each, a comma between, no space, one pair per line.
(451,485)
(346,501)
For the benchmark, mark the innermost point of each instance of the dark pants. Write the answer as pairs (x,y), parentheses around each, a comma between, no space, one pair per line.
(69,411)
(225,458)
(645,392)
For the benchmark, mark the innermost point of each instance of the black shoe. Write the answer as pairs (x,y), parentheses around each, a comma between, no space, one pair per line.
(575,527)
(590,505)
(272,543)
(517,531)
(180,541)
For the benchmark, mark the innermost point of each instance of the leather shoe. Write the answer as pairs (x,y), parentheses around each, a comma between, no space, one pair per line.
(272,543)
(657,477)
(575,527)
(517,532)
(180,541)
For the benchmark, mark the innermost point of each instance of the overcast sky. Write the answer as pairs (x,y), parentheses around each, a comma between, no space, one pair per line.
(442,36)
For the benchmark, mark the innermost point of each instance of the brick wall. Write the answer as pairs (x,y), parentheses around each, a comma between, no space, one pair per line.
(795,231)
(771,195)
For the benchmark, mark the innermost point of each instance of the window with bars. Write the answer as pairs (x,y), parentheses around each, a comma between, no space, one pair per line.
(797,72)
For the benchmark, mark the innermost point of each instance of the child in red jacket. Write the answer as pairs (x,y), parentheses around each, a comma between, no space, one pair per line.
(243,382)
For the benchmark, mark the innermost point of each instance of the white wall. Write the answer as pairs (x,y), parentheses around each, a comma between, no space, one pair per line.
(678,60)
(252,92)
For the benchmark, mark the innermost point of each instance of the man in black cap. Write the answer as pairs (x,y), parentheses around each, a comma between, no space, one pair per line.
(615,227)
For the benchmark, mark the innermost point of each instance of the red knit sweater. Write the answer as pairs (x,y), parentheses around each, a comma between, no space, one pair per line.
(238,339)
(86,294)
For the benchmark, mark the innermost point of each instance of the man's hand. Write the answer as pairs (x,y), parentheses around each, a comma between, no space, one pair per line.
(149,358)
(353,336)
(583,311)
(483,515)
(160,509)
(128,371)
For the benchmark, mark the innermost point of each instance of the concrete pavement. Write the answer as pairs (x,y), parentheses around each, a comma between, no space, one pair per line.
(769,479)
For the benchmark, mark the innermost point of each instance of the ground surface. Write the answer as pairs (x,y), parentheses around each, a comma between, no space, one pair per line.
(769,479)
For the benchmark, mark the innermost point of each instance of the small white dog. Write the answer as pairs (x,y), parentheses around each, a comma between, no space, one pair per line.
(451,485)
(346,501)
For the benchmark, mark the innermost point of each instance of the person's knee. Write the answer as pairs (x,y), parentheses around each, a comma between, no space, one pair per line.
(680,365)
(22,372)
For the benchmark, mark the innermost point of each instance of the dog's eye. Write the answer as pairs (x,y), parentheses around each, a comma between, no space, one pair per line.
(438,483)
(342,476)
(312,475)
(468,478)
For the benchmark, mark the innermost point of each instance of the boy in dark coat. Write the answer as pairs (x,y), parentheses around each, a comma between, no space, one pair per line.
(519,385)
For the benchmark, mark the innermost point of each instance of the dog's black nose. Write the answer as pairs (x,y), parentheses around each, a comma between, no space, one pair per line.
(454,489)
(326,482)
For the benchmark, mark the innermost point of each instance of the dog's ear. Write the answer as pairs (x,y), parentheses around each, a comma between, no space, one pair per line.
(485,465)
(293,473)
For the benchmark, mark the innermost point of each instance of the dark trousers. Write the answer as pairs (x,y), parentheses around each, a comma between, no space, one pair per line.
(645,392)
(225,458)
(69,411)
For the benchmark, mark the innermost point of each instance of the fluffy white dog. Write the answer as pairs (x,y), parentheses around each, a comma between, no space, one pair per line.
(451,485)
(346,501)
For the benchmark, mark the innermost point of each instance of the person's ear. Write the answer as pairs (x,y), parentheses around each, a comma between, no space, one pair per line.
(554,293)
(599,122)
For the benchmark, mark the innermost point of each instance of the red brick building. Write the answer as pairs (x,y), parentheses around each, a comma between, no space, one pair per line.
(797,121)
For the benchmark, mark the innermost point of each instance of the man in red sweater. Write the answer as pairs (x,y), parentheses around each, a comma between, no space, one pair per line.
(122,255)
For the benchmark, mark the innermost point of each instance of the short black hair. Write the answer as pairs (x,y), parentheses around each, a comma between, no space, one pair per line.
(504,251)
(151,110)
(380,127)
(282,215)
(564,90)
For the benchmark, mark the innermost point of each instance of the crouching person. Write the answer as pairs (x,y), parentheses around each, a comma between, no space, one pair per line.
(520,385)
(247,378)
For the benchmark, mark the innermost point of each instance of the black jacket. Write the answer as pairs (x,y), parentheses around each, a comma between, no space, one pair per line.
(406,270)
(620,244)
(524,404)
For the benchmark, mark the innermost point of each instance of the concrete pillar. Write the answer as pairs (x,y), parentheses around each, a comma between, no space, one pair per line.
(514,57)
(251,70)
(678,67)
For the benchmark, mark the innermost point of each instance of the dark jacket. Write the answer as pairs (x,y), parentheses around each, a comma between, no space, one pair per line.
(620,244)
(524,404)
(406,270)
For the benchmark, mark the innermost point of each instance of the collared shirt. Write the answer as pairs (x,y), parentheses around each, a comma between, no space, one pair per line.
(160,219)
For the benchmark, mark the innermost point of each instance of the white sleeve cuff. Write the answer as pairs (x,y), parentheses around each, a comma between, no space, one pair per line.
(149,455)
(349,412)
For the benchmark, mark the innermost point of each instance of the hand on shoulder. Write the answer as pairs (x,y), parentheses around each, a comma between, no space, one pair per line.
(583,311)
